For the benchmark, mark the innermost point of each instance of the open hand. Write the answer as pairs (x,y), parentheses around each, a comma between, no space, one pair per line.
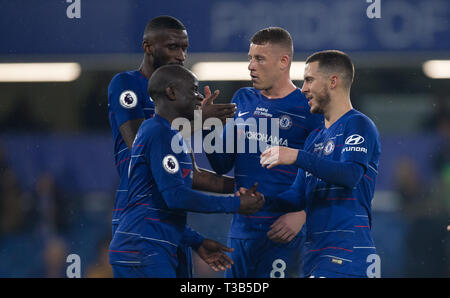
(278,155)
(213,253)
(286,227)
(212,110)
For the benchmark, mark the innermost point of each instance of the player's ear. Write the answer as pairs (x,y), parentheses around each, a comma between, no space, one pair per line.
(334,79)
(284,60)
(170,92)
(147,47)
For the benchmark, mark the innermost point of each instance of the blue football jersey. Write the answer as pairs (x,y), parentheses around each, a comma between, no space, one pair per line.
(339,219)
(253,132)
(128,99)
(160,193)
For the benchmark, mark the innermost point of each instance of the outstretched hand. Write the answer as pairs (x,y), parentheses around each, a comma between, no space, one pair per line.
(212,110)
(213,253)
(278,155)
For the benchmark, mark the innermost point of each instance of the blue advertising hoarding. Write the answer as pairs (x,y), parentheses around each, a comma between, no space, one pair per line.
(115,26)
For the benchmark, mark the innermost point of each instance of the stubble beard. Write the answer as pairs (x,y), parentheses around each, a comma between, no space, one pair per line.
(159,61)
(323,100)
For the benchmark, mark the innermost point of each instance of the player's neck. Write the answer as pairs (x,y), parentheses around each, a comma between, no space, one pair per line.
(167,112)
(279,90)
(146,67)
(336,109)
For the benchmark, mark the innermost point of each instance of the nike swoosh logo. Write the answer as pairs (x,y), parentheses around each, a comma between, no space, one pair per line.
(242,114)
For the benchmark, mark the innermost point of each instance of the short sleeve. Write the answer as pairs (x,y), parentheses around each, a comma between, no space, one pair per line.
(125,98)
(164,163)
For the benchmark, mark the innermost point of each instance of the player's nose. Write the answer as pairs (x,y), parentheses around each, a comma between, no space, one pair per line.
(304,88)
(251,65)
(181,56)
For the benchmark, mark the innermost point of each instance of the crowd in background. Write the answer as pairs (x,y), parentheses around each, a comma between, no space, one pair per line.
(41,225)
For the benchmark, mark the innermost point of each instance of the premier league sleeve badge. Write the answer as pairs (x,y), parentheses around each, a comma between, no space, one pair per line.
(170,164)
(128,99)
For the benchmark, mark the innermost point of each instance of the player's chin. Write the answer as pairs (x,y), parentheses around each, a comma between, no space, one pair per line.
(175,63)
(257,84)
(313,108)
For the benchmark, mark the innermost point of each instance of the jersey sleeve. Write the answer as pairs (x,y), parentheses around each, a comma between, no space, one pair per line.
(291,200)
(177,194)
(192,238)
(222,162)
(361,140)
(330,170)
(125,99)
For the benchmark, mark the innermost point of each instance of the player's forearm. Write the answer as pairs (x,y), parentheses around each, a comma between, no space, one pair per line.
(129,129)
(184,198)
(221,163)
(192,238)
(346,174)
(288,201)
(209,181)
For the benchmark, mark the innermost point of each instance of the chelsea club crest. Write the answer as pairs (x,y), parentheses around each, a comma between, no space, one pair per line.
(329,147)
(285,122)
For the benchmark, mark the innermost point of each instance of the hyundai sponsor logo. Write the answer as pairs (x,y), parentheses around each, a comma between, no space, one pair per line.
(354,149)
(354,140)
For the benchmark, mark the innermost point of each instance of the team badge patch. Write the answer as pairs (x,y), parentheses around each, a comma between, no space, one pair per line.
(128,99)
(285,122)
(170,164)
(329,147)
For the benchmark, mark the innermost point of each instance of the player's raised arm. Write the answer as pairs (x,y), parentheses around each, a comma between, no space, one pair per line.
(213,110)
(222,162)
(328,170)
